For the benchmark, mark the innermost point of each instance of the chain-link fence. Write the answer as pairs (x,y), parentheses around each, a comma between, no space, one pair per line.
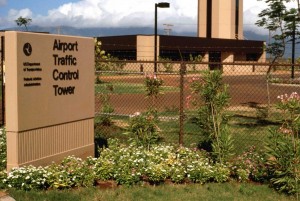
(121,94)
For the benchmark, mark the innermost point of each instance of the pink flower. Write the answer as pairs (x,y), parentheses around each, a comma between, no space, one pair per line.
(188,100)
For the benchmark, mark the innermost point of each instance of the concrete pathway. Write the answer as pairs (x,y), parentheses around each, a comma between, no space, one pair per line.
(5,197)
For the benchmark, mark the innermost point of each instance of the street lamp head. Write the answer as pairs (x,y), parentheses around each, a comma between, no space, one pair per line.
(163,5)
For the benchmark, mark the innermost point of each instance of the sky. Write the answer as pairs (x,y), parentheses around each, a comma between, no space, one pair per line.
(182,14)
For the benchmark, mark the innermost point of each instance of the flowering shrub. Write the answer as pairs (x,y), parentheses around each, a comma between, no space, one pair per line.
(104,169)
(129,165)
(250,165)
(283,147)
(27,178)
(177,172)
(72,172)
(199,171)
(2,149)
(157,173)
(221,173)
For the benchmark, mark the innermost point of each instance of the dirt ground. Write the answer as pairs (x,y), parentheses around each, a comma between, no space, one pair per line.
(246,89)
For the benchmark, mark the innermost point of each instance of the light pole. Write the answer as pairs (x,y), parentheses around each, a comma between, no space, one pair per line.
(157,5)
(293,47)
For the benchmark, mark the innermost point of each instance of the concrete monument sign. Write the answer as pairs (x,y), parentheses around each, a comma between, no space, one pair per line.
(49,97)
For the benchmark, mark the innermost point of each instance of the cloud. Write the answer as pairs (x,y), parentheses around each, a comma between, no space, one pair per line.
(252,9)
(116,13)
(250,18)
(2,2)
(138,13)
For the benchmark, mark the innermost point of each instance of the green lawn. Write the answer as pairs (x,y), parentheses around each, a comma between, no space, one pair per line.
(230,191)
(128,88)
(246,128)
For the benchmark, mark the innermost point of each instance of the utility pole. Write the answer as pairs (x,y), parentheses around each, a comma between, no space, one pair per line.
(168,28)
(293,47)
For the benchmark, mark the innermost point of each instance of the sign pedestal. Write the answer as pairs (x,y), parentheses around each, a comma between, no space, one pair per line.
(49,98)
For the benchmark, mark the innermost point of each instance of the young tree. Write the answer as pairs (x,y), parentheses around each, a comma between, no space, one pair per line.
(23,21)
(280,20)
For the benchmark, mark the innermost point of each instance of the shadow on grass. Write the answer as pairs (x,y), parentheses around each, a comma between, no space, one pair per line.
(250,122)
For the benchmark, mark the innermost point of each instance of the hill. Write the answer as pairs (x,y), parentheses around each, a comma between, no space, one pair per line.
(92,32)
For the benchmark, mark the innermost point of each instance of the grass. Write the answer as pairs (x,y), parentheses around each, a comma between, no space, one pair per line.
(246,128)
(169,192)
(128,88)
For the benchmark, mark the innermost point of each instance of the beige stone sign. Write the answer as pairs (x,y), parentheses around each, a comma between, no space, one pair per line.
(49,97)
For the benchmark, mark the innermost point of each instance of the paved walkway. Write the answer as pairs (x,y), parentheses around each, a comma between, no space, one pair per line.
(5,197)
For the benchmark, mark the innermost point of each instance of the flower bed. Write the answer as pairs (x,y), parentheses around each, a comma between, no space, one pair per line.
(126,165)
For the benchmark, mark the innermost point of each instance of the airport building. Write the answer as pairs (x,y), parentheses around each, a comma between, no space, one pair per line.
(219,39)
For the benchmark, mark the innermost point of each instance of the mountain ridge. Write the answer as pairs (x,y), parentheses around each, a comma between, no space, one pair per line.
(98,32)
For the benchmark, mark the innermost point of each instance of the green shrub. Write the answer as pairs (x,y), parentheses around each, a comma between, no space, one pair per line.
(212,98)
(143,129)
(283,162)
(283,147)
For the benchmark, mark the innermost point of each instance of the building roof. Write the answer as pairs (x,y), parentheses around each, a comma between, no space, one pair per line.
(168,43)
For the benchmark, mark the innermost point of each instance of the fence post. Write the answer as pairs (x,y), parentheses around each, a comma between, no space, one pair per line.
(181,112)
(141,68)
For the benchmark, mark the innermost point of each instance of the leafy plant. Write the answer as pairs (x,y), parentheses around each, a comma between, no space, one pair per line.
(106,108)
(212,98)
(144,129)
(166,63)
(283,162)
(194,60)
(153,87)
(104,61)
